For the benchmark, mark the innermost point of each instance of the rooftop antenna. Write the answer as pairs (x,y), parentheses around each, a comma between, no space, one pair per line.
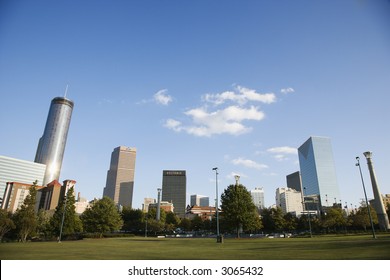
(66,91)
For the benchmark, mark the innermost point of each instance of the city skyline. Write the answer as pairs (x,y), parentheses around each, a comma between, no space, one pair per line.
(238,86)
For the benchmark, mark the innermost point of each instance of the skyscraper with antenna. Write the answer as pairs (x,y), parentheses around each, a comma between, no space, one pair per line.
(51,146)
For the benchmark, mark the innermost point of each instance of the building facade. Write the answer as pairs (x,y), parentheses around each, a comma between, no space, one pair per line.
(174,186)
(199,200)
(22,171)
(51,146)
(164,205)
(289,200)
(318,172)
(147,202)
(120,176)
(258,198)
(47,198)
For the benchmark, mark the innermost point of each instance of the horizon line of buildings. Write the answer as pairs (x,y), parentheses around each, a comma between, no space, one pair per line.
(313,187)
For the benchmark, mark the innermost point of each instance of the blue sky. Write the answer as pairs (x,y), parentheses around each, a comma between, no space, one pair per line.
(199,84)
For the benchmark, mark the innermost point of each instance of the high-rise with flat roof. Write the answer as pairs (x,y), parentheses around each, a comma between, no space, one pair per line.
(258,197)
(120,176)
(318,172)
(51,146)
(199,200)
(174,186)
(290,200)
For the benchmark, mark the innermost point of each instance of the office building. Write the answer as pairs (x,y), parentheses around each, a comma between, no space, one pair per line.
(147,202)
(120,176)
(47,197)
(258,198)
(199,200)
(22,171)
(204,212)
(51,146)
(164,205)
(289,200)
(174,185)
(318,173)
(15,194)
(294,181)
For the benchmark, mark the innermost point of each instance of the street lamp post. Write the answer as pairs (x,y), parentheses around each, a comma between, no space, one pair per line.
(216,200)
(158,212)
(365,196)
(383,219)
(308,211)
(63,219)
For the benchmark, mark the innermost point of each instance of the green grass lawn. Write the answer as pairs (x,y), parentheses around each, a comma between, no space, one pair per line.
(361,247)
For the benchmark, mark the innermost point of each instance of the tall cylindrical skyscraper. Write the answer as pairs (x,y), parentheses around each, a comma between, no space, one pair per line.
(51,146)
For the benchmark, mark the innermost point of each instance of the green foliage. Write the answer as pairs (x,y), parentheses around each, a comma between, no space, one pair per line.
(334,218)
(43,223)
(133,219)
(6,223)
(102,217)
(361,217)
(72,223)
(238,210)
(273,219)
(25,218)
(185,224)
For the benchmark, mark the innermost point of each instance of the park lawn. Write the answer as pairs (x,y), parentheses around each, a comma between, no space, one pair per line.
(361,247)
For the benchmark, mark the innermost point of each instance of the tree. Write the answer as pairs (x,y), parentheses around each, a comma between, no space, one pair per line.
(238,210)
(43,225)
(185,224)
(273,219)
(197,223)
(362,219)
(25,218)
(6,223)
(72,222)
(334,218)
(133,219)
(291,222)
(102,217)
(171,221)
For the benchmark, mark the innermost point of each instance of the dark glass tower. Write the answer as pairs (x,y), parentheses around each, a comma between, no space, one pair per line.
(51,146)
(174,189)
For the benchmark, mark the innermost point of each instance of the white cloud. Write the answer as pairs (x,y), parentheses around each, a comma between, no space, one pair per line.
(249,163)
(287,90)
(173,124)
(161,97)
(241,95)
(228,120)
(283,150)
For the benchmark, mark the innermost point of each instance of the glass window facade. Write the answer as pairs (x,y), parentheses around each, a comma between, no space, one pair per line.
(21,171)
(318,171)
(174,189)
(51,146)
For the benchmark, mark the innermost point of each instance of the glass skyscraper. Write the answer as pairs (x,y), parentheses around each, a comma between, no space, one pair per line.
(174,186)
(120,176)
(318,173)
(51,146)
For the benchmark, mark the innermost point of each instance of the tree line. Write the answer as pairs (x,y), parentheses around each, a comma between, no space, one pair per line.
(238,215)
